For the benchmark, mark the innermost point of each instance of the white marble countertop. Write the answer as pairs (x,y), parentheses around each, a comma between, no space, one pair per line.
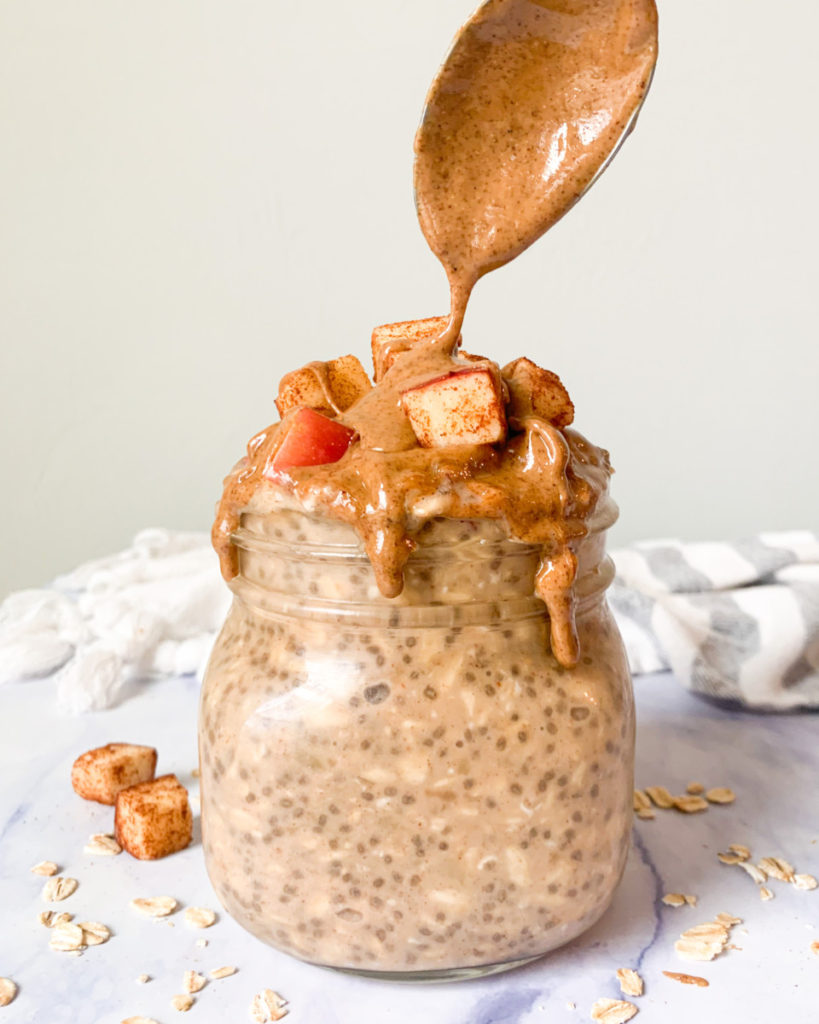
(771,761)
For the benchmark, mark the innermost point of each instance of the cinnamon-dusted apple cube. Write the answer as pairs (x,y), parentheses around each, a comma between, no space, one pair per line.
(100,774)
(539,392)
(389,341)
(154,819)
(348,381)
(462,407)
(330,387)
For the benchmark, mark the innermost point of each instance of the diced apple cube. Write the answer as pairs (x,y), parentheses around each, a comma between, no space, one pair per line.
(330,387)
(310,439)
(462,407)
(348,381)
(302,389)
(539,392)
(101,773)
(154,819)
(389,341)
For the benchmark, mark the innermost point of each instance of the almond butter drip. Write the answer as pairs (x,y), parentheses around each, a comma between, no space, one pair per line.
(530,104)
(542,484)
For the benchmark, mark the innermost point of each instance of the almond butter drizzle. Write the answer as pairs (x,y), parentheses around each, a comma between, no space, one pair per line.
(543,484)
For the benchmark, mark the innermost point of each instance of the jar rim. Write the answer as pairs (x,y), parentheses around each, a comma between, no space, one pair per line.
(595,574)
(352,552)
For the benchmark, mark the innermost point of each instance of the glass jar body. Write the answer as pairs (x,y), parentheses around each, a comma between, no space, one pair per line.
(415,787)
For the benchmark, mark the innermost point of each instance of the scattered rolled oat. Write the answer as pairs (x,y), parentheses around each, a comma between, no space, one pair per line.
(686,979)
(139,1020)
(155,906)
(690,804)
(222,972)
(195,773)
(50,918)
(612,1011)
(814,947)
(757,873)
(268,1006)
(8,990)
(94,933)
(182,1003)
(731,858)
(720,795)
(199,917)
(640,801)
(660,796)
(679,899)
(66,937)
(804,882)
(703,941)
(45,867)
(631,984)
(57,889)
(777,868)
(729,920)
(143,979)
(193,982)
(740,850)
(695,788)
(646,813)
(765,893)
(102,844)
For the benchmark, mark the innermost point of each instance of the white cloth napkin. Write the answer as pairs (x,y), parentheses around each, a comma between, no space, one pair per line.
(734,621)
(737,622)
(150,611)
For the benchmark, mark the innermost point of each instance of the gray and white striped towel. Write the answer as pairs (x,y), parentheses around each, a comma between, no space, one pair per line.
(737,621)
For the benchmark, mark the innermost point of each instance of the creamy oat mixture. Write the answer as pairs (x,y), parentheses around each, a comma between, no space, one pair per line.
(400,797)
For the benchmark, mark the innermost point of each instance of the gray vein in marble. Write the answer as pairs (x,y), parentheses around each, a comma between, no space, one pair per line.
(659,890)
(509,1006)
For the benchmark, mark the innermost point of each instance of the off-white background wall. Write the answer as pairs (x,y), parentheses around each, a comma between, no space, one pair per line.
(196,196)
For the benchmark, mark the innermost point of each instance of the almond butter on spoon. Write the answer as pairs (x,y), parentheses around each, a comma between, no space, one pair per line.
(485,191)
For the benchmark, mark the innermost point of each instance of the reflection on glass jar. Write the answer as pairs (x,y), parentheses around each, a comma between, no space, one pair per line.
(413,787)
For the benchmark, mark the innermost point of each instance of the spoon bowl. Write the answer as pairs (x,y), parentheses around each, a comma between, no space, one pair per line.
(530,106)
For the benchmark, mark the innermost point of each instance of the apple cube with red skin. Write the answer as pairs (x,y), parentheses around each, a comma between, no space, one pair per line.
(462,407)
(534,391)
(389,341)
(330,387)
(310,439)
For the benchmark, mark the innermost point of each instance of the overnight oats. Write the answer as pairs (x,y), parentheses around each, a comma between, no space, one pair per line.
(416,726)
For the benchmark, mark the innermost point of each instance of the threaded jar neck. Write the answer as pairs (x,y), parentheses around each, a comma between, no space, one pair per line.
(462,572)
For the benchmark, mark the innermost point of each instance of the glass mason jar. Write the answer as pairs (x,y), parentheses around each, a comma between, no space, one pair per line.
(413,787)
